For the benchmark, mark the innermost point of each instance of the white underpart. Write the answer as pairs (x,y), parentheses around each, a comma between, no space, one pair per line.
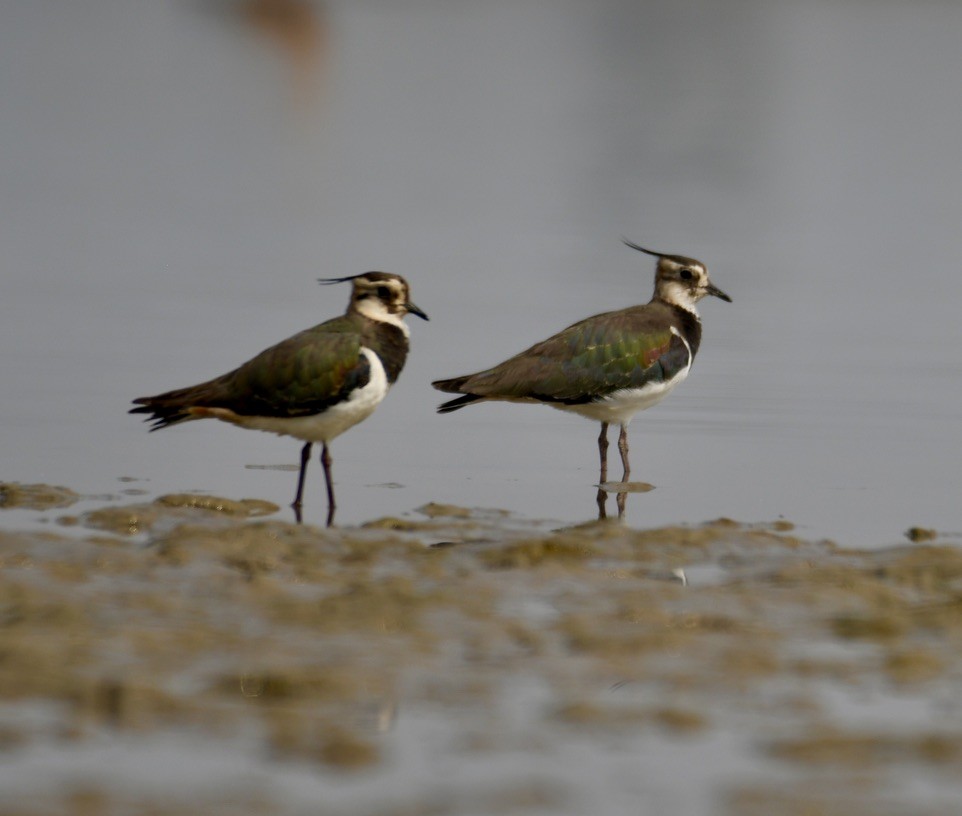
(323,427)
(374,309)
(620,406)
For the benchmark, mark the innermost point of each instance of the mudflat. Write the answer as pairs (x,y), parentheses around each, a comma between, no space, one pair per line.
(192,654)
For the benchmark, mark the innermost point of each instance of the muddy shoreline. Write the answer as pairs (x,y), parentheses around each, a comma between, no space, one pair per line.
(548,669)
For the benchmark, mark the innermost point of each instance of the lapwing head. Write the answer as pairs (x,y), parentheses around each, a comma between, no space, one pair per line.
(380,296)
(680,281)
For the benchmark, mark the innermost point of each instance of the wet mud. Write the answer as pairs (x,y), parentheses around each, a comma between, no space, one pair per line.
(194,654)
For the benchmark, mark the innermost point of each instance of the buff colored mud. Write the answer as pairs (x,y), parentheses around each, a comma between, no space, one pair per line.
(189,655)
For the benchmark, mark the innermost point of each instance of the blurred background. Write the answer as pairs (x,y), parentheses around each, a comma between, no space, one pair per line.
(176,175)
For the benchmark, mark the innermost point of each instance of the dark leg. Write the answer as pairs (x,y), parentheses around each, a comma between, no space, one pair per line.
(305,457)
(620,500)
(331,506)
(602,499)
(603,452)
(623,447)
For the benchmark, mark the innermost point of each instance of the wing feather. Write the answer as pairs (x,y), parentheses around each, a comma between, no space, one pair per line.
(300,376)
(588,360)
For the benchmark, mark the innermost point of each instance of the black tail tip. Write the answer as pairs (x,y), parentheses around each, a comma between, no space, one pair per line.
(460,402)
(157,416)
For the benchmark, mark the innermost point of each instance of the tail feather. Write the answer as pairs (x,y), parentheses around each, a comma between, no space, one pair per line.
(452,386)
(162,415)
(459,402)
(455,386)
(173,407)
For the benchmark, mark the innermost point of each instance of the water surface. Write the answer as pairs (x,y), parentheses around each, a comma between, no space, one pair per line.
(176,175)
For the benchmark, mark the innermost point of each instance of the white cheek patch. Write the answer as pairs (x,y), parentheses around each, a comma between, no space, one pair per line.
(375,310)
(681,296)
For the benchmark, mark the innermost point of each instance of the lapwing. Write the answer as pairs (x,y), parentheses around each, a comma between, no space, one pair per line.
(607,367)
(314,385)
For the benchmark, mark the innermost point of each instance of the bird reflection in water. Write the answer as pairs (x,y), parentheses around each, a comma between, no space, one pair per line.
(621,491)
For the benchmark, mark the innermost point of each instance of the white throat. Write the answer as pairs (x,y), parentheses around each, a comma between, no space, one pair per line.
(679,295)
(374,310)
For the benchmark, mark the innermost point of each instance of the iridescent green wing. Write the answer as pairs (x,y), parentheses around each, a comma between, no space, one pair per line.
(590,359)
(300,376)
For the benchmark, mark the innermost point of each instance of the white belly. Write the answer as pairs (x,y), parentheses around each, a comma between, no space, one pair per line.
(323,427)
(620,406)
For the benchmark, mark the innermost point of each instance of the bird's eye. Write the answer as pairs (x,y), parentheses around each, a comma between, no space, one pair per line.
(685,274)
(383,293)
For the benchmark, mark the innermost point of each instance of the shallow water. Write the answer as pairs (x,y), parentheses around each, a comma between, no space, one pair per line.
(177,175)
